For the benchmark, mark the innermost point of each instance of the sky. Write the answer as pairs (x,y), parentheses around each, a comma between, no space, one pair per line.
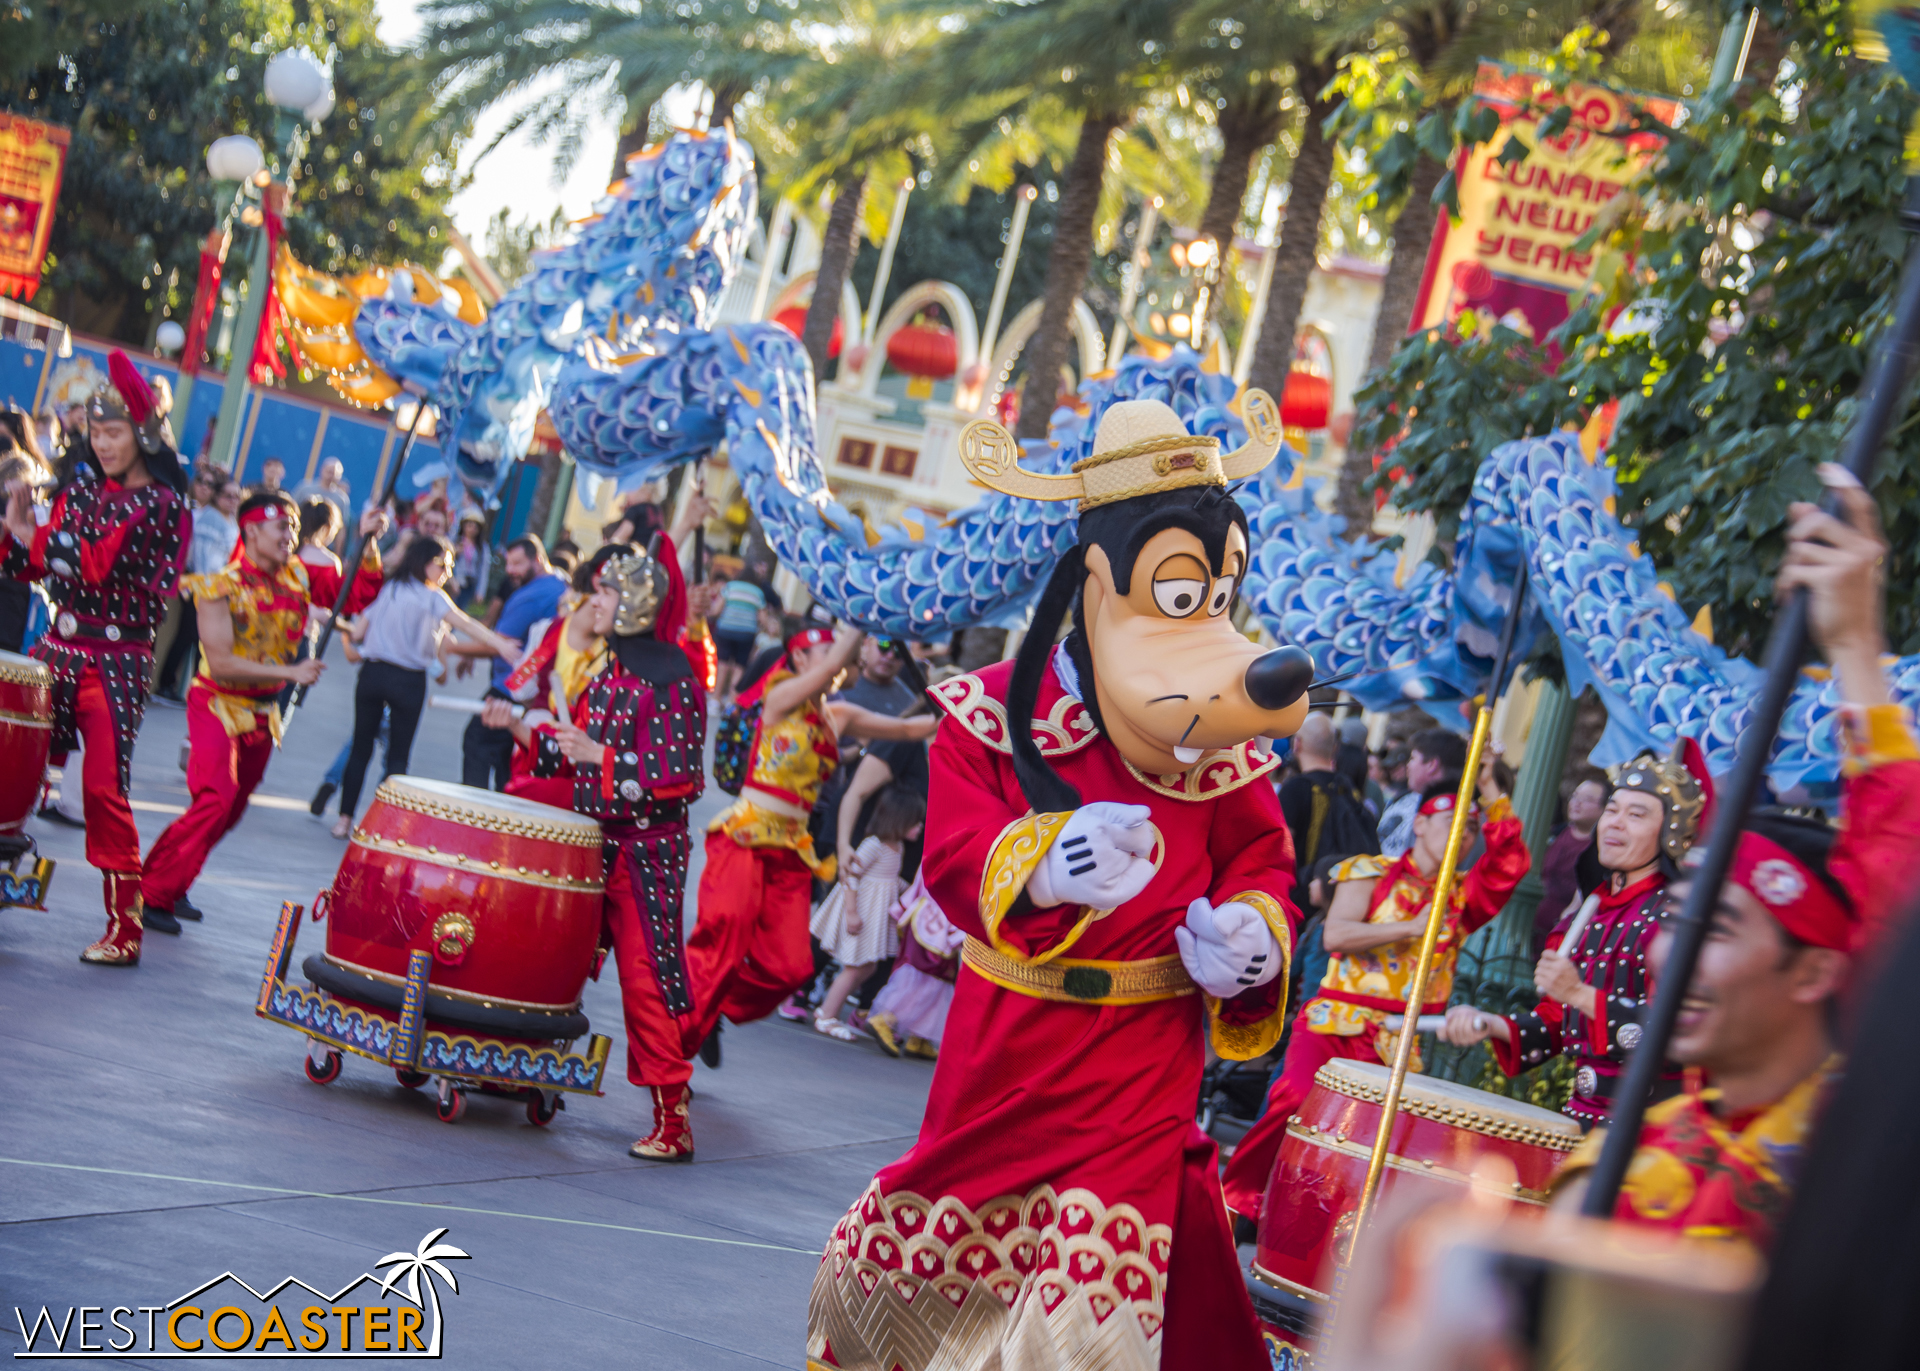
(518,174)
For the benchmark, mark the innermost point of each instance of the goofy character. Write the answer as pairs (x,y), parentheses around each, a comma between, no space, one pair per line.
(1104,830)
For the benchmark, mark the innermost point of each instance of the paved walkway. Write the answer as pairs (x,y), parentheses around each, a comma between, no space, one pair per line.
(155,1133)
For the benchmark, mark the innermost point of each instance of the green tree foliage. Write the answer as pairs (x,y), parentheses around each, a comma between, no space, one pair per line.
(1737,304)
(145,86)
(512,242)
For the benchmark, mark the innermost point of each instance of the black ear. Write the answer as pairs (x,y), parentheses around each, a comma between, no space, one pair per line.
(1046,790)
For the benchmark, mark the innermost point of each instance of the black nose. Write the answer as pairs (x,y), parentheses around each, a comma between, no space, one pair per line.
(1280,677)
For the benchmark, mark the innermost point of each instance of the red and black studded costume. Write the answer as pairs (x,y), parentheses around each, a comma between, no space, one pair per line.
(1611,956)
(1611,952)
(110,558)
(647,708)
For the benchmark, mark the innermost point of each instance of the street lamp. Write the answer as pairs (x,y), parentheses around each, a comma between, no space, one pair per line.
(295,80)
(234,158)
(298,85)
(1204,256)
(169,338)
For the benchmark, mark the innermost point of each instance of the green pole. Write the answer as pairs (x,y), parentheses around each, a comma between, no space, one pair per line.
(557,503)
(1495,970)
(1536,793)
(226,430)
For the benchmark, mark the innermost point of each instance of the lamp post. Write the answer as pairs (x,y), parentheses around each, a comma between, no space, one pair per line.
(298,87)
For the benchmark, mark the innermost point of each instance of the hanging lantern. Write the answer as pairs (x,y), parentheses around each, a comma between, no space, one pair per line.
(924,352)
(1306,402)
(794,320)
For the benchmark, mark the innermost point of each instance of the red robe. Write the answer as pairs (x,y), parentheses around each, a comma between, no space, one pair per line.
(1061,1207)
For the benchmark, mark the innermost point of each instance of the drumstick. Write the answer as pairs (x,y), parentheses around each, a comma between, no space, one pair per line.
(1429,1023)
(1588,909)
(467,704)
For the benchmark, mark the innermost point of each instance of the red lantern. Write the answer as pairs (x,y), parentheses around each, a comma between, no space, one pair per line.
(925,352)
(794,320)
(1472,280)
(1307,401)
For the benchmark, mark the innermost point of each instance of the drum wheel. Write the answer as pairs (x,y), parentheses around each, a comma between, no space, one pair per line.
(412,1080)
(323,1073)
(541,1110)
(452,1107)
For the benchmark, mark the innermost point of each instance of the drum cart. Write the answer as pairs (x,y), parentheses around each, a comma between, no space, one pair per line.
(23,886)
(403,1035)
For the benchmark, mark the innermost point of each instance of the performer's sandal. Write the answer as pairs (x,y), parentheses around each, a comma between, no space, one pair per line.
(120,946)
(834,1029)
(920,1047)
(672,1136)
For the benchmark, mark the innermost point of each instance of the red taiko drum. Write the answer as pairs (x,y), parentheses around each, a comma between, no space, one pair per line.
(26,732)
(503,892)
(1441,1132)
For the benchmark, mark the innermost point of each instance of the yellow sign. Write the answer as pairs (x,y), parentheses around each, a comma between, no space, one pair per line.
(33,156)
(1512,254)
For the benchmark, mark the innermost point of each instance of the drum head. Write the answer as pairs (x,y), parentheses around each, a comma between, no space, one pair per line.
(488,809)
(23,670)
(1446,1099)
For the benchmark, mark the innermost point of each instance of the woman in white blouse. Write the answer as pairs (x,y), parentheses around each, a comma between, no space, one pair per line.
(398,641)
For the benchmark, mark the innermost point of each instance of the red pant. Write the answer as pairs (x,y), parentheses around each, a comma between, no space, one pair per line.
(750,948)
(654,1053)
(1245,1180)
(222,771)
(113,842)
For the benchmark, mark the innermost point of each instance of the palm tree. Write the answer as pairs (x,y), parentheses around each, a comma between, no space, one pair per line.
(425,1259)
(1257,75)
(851,105)
(565,65)
(1095,58)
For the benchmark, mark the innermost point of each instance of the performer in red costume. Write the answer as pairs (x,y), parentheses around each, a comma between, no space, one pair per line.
(1804,906)
(110,555)
(750,948)
(1373,931)
(252,615)
(633,749)
(1595,988)
(1103,829)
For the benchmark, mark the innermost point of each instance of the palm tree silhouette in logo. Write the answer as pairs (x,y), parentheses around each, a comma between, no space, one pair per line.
(425,1258)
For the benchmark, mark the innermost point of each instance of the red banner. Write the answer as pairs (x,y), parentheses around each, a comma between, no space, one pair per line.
(33,156)
(1512,255)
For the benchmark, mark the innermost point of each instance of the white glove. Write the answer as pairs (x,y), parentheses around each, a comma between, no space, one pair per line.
(1100,859)
(1227,948)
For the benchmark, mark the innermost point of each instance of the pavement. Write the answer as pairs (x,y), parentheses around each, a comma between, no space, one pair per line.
(156,1134)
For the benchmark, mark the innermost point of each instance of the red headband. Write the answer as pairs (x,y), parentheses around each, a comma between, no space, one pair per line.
(1443,804)
(1800,900)
(259,514)
(809,637)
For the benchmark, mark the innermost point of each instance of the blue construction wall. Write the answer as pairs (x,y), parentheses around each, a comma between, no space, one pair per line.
(301,432)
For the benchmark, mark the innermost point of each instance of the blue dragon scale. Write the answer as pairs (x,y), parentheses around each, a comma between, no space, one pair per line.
(615,336)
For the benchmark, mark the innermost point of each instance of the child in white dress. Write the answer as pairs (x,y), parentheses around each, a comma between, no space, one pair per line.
(852,923)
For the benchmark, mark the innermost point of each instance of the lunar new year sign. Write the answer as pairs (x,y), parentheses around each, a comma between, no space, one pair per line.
(369,1316)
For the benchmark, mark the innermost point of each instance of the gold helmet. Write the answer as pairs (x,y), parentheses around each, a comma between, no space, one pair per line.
(127,395)
(642,583)
(1684,787)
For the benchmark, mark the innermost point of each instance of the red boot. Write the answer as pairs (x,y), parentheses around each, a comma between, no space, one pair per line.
(121,944)
(672,1136)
